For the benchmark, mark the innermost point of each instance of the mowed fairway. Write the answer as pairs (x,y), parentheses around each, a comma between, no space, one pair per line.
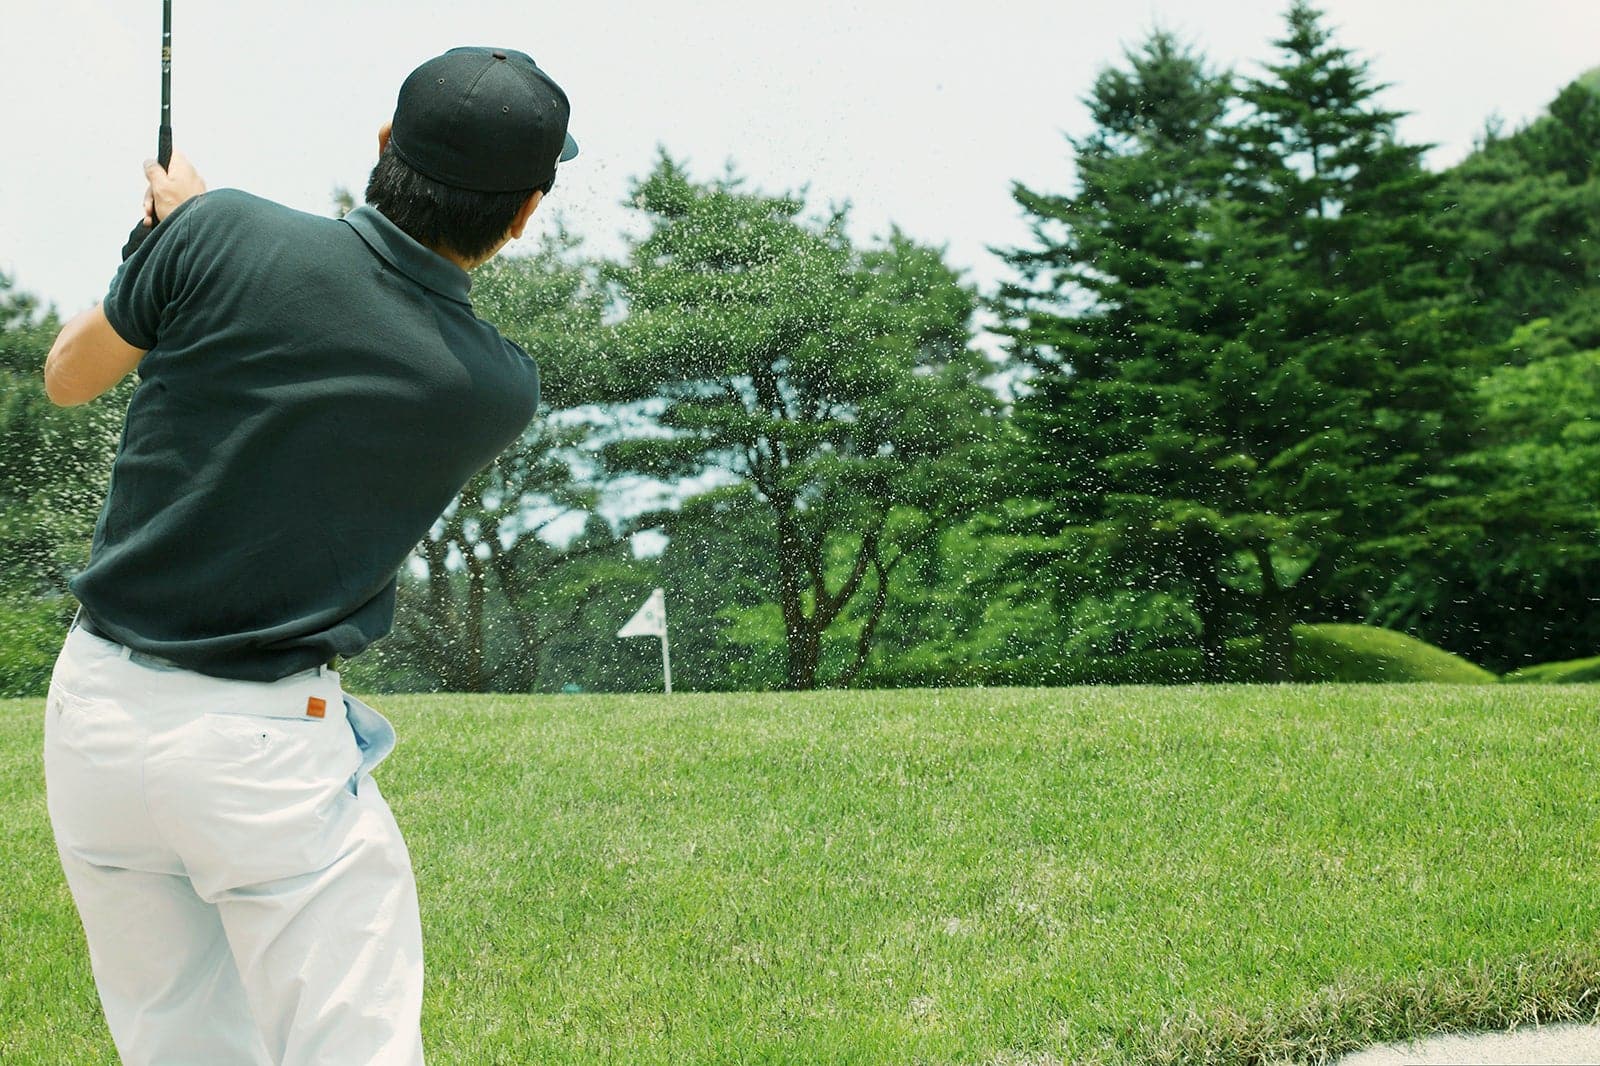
(957,876)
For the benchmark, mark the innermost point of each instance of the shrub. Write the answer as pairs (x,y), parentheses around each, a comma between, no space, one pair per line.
(1566,673)
(1352,653)
(34,630)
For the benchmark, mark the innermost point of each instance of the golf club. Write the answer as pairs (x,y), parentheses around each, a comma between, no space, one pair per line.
(164,132)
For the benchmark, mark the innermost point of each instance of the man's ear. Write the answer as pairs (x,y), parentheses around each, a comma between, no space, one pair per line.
(520,223)
(383,136)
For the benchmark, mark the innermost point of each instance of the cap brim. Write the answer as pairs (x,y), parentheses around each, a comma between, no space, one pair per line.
(568,150)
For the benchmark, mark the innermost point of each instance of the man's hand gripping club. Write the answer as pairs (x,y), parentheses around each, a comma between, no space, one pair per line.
(166,190)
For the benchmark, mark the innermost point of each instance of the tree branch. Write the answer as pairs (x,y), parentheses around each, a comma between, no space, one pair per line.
(829,609)
(870,626)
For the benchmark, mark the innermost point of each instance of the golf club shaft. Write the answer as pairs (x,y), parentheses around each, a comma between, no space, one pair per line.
(164,131)
(164,136)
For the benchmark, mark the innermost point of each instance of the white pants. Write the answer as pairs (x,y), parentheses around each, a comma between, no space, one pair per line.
(245,892)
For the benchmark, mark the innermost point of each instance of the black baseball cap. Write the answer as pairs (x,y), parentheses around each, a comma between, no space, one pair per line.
(485,119)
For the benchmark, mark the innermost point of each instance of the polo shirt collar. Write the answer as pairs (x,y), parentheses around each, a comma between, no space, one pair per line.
(395,247)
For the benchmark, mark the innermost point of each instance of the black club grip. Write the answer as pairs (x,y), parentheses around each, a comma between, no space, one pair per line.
(140,231)
(140,234)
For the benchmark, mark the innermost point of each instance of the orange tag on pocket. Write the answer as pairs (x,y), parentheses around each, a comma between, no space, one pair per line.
(316,707)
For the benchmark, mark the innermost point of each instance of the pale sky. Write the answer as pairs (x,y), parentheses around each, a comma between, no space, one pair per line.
(917,113)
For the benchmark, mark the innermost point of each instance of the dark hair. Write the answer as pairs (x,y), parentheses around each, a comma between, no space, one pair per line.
(442,216)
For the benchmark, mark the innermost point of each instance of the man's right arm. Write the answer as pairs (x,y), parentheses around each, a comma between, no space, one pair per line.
(87,359)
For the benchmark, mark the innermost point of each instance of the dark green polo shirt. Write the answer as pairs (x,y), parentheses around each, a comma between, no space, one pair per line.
(315,393)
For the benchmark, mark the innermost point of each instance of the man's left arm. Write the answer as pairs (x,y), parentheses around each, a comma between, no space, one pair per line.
(91,355)
(87,359)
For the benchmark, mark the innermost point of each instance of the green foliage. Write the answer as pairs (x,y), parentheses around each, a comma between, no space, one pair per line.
(1508,572)
(1566,673)
(53,468)
(598,588)
(551,302)
(1251,371)
(718,564)
(830,388)
(53,461)
(962,617)
(33,628)
(1524,214)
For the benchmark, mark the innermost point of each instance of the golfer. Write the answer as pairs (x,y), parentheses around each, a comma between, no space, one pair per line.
(312,394)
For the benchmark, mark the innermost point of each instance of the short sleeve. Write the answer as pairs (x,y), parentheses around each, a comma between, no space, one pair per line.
(150,281)
(533,378)
(530,367)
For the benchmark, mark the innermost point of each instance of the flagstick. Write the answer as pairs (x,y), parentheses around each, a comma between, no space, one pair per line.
(666,661)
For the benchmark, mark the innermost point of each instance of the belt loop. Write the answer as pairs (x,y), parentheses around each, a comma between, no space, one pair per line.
(125,652)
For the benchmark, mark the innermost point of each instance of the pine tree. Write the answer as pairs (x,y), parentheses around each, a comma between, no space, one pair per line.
(1368,349)
(1121,435)
(1250,382)
(1523,215)
(834,385)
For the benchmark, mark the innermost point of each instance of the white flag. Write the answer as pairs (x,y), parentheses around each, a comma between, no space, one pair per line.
(650,620)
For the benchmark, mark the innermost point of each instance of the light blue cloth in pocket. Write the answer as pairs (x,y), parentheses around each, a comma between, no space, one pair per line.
(374,736)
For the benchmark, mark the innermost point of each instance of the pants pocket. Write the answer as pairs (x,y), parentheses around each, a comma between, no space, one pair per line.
(374,736)
(250,799)
(93,750)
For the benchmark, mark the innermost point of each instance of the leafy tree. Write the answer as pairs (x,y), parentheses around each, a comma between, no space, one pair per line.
(964,616)
(1511,574)
(718,571)
(834,387)
(1507,570)
(601,589)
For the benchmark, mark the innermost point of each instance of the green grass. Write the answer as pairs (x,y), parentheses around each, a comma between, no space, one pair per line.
(1570,672)
(1002,876)
(1335,652)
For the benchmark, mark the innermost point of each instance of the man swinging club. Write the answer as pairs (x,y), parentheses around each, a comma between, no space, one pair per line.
(313,393)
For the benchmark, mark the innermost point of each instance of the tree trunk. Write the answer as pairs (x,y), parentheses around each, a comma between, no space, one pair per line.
(1203,552)
(1275,619)
(1277,640)
(438,645)
(795,630)
(804,654)
(864,644)
(474,655)
(1208,605)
